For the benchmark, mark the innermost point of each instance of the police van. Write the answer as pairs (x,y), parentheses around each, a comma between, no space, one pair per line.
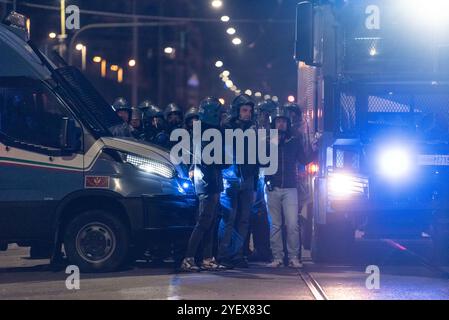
(64,179)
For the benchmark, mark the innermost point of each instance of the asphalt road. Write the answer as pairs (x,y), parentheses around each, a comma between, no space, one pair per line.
(402,276)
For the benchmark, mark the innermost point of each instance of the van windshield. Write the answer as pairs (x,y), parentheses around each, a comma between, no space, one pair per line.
(87,101)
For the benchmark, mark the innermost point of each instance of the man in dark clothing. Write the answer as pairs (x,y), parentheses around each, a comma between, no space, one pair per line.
(154,125)
(136,123)
(123,110)
(281,193)
(190,116)
(208,182)
(259,220)
(238,196)
(173,117)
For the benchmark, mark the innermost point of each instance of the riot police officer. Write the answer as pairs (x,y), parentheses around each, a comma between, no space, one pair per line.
(208,182)
(145,105)
(282,193)
(239,184)
(154,125)
(264,111)
(259,220)
(123,110)
(173,117)
(294,113)
(136,123)
(190,116)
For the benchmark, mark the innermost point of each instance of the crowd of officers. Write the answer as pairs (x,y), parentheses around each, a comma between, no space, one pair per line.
(237,202)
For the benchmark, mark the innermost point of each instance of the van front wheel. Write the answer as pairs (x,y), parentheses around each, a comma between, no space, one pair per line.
(96,241)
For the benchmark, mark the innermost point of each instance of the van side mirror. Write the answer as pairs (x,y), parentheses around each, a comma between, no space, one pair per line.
(70,136)
(304,39)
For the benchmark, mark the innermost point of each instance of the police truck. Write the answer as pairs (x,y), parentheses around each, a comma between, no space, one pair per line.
(374,83)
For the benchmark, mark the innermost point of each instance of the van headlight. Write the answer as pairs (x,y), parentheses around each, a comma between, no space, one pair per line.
(343,185)
(150,166)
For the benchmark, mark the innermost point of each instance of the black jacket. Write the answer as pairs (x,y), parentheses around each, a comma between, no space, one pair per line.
(208,178)
(238,173)
(290,153)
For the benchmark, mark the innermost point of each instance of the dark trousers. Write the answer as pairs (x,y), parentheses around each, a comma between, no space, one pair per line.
(204,231)
(260,230)
(236,202)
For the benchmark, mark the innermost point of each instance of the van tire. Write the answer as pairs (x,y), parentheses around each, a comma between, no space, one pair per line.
(97,241)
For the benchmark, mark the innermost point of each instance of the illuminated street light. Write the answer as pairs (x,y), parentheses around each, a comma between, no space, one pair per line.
(291,99)
(104,66)
(248,92)
(258,94)
(114,67)
(226,73)
(219,64)
(132,63)
(79,46)
(222,101)
(52,35)
(97,59)
(237,41)
(231,31)
(83,49)
(373,52)
(169,50)
(225,19)
(217,4)
(120,75)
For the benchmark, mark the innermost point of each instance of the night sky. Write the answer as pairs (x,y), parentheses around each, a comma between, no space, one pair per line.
(264,62)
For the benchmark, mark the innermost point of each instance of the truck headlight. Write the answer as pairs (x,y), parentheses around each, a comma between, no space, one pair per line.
(343,185)
(395,163)
(151,166)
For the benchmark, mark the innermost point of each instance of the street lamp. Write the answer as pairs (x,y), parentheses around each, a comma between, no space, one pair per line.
(219,64)
(52,35)
(83,49)
(97,59)
(237,41)
(225,19)
(132,63)
(120,75)
(169,50)
(104,65)
(231,31)
(216,4)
